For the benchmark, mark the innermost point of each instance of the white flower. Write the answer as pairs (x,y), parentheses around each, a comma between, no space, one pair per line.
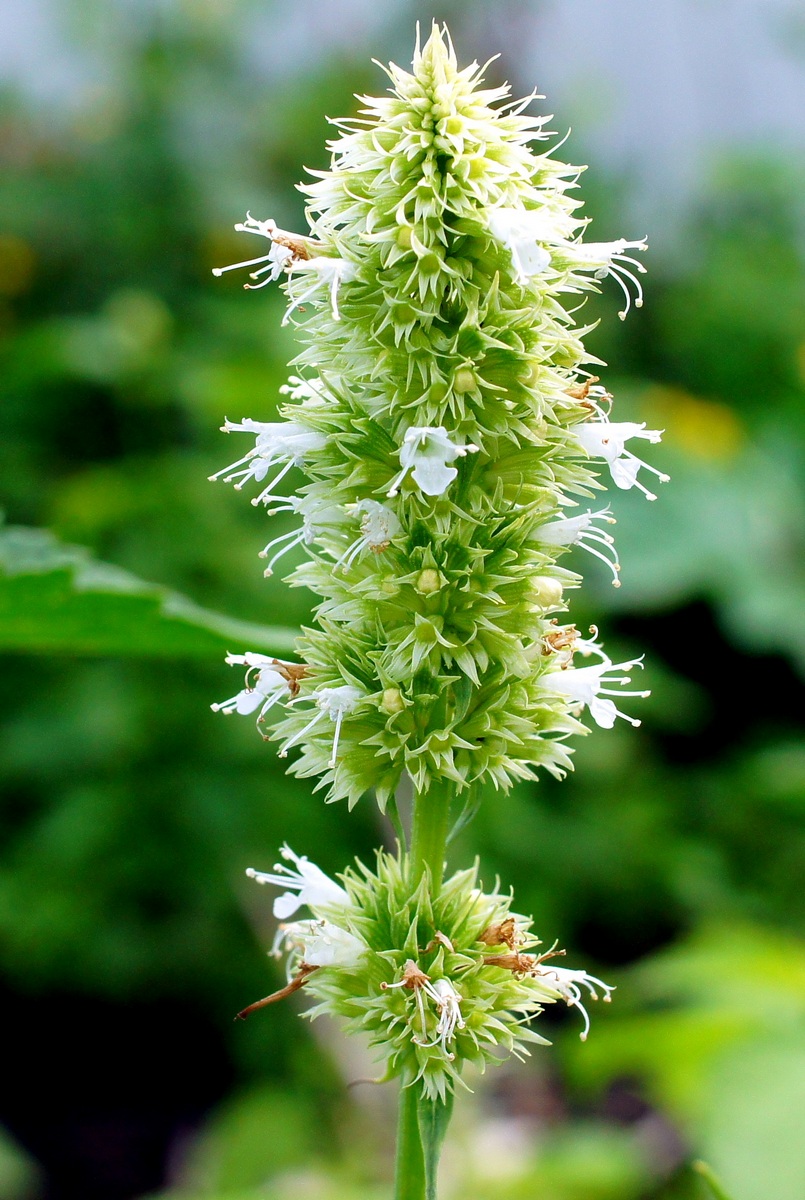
(322,944)
(275,442)
(286,248)
(315,514)
(304,535)
(607,439)
(262,689)
(587,685)
(566,983)
(378,526)
(291,253)
(337,703)
(425,452)
(607,258)
(329,271)
(308,885)
(520,230)
(581,531)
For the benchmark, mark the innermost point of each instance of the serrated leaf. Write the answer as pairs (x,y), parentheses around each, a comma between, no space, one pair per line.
(56,599)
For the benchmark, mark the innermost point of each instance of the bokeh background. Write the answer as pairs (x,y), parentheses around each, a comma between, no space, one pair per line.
(133,134)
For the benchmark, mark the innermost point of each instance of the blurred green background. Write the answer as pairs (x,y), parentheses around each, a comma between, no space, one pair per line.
(133,135)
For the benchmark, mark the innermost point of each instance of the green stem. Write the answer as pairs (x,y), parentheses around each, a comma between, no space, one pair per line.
(430,823)
(409,1176)
(429,832)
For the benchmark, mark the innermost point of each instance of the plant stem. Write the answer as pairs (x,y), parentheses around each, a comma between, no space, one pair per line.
(409,1175)
(429,832)
(428,841)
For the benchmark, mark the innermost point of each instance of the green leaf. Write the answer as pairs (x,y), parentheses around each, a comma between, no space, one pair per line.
(56,599)
(434,1117)
(713,1184)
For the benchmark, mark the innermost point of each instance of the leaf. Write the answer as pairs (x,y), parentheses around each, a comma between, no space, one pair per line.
(713,1184)
(56,599)
(752,1128)
(469,810)
(434,1117)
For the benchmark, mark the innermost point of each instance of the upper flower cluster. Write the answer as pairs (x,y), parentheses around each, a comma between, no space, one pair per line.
(435,981)
(451,439)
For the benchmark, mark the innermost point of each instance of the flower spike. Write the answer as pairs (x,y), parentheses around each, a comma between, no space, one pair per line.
(448,434)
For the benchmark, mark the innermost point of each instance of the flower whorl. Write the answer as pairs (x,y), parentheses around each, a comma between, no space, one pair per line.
(444,420)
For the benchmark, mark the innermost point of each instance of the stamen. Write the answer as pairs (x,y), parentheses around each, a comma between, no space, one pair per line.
(283,537)
(298,736)
(298,538)
(339,718)
(232,467)
(265,495)
(249,262)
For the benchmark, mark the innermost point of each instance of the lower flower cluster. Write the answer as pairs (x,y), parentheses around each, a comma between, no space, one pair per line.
(436,981)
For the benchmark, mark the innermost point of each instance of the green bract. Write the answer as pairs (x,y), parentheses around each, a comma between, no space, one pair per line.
(448,432)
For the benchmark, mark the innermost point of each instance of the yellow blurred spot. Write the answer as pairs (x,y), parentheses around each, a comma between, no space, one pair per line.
(16,265)
(141,319)
(703,428)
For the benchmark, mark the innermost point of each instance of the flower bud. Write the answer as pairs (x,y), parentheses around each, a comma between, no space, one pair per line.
(428,581)
(546,592)
(464,381)
(392,701)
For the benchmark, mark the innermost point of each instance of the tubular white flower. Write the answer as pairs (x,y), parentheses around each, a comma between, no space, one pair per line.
(378,526)
(322,944)
(587,686)
(607,258)
(277,260)
(331,272)
(286,248)
(607,439)
(291,253)
(520,230)
(568,984)
(275,442)
(315,515)
(581,531)
(337,703)
(262,690)
(307,884)
(425,452)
